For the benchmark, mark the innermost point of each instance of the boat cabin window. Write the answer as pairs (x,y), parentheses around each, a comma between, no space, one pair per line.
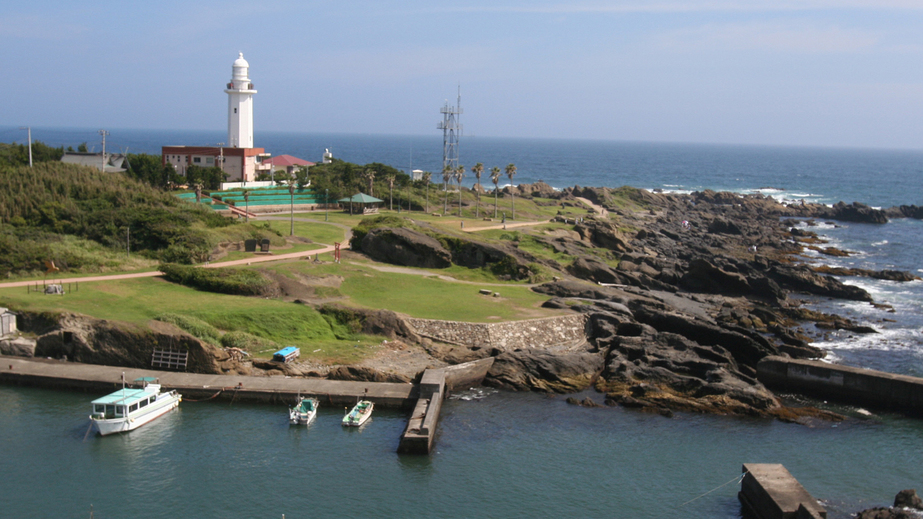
(110,410)
(120,410)
(99,408)
(132,408)
(143,403)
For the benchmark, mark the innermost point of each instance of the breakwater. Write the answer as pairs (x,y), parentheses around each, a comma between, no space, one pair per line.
(274,390)
(769,491)
(854,385)
(420,433)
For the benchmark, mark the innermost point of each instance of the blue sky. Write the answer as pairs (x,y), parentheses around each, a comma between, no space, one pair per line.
(845,73)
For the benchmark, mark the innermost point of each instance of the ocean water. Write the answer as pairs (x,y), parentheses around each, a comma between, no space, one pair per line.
(503,454)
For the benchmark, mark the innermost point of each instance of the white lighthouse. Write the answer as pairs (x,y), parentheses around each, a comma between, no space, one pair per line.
(240,105)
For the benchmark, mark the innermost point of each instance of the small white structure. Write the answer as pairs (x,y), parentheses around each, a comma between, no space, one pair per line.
(7,322)
(240,105)
(328,157)
(113,161)
(416,174)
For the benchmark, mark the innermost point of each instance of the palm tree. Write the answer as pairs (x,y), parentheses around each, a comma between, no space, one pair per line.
(246,194)
(389,178)
(495,178)
(446,175)
(369,176)
(477,169)
(291,192)
(511,172)
(427,177)
(459,176)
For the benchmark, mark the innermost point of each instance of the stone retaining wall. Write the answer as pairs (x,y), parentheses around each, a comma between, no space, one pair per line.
(563,332)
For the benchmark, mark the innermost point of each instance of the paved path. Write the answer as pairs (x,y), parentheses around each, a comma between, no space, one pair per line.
(245,261)
(600,210)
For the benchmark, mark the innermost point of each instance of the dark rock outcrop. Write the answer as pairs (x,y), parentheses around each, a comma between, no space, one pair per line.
(702,276)
(905,211)
(401,246)
(365,374)
(667,371)
(95,341)
(904,502)
(541,371)
(908,498)
(802,278)
(604,234)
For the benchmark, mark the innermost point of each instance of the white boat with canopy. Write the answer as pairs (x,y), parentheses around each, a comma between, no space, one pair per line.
(304,412)
(130,408)
(359,414)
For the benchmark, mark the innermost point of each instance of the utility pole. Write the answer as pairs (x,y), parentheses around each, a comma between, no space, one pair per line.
(221,157)
(30,142)
(104,133)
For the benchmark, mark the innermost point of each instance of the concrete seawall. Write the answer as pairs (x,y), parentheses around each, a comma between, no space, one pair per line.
(275,390)
(562,332)
(844,383)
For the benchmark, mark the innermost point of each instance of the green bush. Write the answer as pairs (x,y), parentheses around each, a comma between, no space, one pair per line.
(247,341)
(239,282)
(195,327)
(344,322)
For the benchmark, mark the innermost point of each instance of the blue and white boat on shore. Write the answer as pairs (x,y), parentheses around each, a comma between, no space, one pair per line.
(130,408)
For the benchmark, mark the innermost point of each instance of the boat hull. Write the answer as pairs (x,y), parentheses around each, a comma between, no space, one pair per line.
(157,409)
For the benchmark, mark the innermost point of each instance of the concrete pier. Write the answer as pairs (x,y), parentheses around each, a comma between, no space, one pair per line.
(420,434)
(769,491)
(845,383)
(421,428)
(193,386)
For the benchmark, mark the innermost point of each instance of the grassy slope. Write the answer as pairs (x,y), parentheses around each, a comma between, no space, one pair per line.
(286,323)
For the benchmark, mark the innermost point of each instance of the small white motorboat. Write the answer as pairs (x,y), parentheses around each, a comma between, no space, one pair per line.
(359,414)
(304,412)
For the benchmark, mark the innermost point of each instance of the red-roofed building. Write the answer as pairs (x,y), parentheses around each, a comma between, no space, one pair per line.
(286,163)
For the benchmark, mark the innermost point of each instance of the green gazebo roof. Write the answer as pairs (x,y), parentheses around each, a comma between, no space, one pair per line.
(360,198)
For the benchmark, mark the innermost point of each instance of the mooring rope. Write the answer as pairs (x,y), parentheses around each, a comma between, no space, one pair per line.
(204,399)
(738,479)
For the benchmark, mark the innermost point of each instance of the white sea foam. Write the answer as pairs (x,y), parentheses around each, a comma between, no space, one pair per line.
(879,243)
(900,339)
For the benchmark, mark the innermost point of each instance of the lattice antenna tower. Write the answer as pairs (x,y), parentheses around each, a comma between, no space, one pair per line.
(451,131)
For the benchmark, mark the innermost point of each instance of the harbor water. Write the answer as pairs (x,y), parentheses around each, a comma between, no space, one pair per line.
(502,454)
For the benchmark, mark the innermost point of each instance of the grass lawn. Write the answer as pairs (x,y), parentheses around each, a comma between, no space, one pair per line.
(428,297)
(316,232)
(139,300)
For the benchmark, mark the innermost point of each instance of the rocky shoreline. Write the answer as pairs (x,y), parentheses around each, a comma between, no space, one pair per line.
(683,295)
(686,294)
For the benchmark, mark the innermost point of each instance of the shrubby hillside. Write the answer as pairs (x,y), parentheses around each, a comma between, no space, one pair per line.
(78,217)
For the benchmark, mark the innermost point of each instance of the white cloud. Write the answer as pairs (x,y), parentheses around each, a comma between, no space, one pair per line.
(797,37)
